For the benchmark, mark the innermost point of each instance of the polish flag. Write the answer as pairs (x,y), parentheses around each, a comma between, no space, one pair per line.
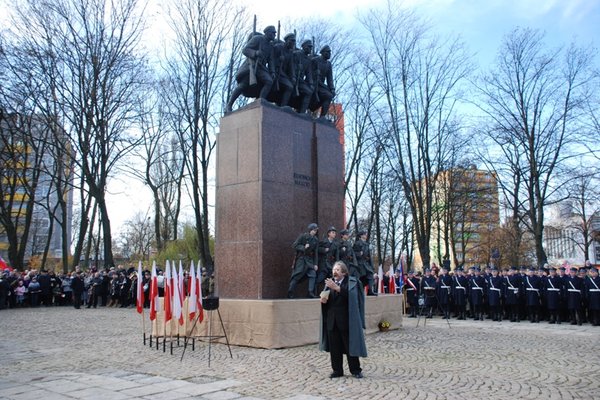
(140,290)
(392,285)
(168,288)
(195,299)
(153,293)
(381,288)
(182,293)
(176,296)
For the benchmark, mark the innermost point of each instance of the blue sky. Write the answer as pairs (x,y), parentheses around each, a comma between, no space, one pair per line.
(481,23)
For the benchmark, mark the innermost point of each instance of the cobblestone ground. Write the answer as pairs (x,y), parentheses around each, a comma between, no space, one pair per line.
(62,353)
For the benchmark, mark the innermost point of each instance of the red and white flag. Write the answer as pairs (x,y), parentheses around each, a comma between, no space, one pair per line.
(195,299)
(182,294)
(168,289)
(140,290)
(153,293)
(380,287)
(176,296)
(392,284)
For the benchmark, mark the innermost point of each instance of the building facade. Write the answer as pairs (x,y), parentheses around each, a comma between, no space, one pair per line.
(30,167)
(465,215)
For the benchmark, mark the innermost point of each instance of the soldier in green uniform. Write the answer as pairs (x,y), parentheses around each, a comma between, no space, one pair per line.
(362,251)
(306,261)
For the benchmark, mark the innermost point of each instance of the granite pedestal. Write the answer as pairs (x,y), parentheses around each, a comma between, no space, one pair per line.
(277,171)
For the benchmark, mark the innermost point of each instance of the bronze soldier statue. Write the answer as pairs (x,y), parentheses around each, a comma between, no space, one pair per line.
(304,87)
(255,76)
(285,73)
(325,91)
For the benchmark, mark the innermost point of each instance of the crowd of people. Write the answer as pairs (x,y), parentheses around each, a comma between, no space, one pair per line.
(110,287)
(556,295)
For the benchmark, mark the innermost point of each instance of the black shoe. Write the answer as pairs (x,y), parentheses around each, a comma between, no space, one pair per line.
(358,375)
(312,296)
(335,375)
(290,295)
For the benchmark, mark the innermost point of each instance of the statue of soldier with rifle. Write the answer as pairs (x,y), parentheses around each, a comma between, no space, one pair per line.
(325,90)
(255,76)
(304,84)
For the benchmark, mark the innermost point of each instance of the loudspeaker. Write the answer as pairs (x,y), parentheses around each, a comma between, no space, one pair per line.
(210,303)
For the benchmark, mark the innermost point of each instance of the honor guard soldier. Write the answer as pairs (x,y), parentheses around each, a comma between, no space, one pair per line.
(592,294)
(328,255)
(574,289)
(362,250)
(494,294)
(443,287)
(460,284)
(428,283)
(552,285)
(532,285)
(476,291)
(346,252)
(306,261)
(412,293)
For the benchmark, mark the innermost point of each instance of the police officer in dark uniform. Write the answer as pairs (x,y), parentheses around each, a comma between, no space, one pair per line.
(443,290)
(532,286)
(328,255)
(563,312)
(460,286)
(512,293)
(592,295)
(552,285)
(494,294)
(573,292)
(412,286)
(362,251)
(306,261)
(477,291)
(428,287)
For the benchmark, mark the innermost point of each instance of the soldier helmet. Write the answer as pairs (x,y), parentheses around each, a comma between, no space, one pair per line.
(325,48)
(313,227)
(362,232)
(331,229)
(289,36)
(270,28)
(344,232)
(307,43)
(411,272)
(427,269)
(573,269)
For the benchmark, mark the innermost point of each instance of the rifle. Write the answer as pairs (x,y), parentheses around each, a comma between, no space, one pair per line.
(253,63)
(317,73)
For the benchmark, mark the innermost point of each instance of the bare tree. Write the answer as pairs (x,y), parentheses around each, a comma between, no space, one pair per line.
(419,75)
(97,72)
(163,171)
(138,237)
(198,70)
(534,99)
(583,191)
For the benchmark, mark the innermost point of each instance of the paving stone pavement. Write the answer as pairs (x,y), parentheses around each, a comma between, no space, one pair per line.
(63,353)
